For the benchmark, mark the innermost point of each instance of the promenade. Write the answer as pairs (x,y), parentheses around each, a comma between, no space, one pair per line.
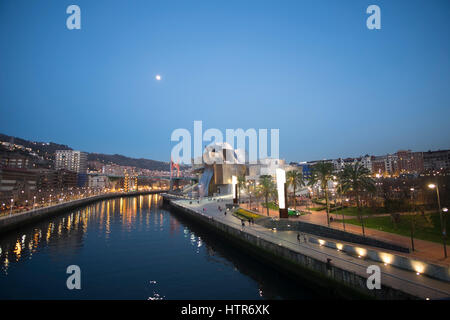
(406,281)
(424,250)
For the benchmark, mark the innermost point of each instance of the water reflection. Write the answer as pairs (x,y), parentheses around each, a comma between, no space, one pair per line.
(147,253)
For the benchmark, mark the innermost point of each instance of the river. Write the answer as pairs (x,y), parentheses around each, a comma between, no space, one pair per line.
(132,248)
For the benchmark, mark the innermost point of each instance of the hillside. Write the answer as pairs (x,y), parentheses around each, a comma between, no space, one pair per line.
(126,161)
(47,151)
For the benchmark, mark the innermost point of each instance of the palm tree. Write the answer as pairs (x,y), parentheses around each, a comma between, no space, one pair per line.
(322,172)
(240,185)
(295,179)
(357,179)
(267,188)
(249,187)
(340,192)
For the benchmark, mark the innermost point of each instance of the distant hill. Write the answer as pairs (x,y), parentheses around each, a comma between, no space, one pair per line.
(47,151)
(132,162)
(43,147)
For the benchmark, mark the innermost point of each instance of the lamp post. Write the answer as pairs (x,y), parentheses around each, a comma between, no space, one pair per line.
(436,186)
(34,202)
(234,184)
(282,192)
(12,203)
(412,218)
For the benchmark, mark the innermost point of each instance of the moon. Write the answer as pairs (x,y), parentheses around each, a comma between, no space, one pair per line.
(158,77)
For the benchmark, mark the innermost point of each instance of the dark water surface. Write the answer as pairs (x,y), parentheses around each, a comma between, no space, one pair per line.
(131,248)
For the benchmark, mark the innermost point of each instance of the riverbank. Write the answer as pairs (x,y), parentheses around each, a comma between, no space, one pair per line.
(11,222)
(346,276)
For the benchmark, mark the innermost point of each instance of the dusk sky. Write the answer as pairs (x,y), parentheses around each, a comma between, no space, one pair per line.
(310,68)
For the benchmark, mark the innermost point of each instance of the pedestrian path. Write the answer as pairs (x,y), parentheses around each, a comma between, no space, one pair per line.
(424,250)
(400,279)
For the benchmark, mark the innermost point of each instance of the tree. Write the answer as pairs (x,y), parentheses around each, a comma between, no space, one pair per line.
(249,187)
(240,185)
(358,180)
(322,172)
(267,188)
(340,192)
(294,178)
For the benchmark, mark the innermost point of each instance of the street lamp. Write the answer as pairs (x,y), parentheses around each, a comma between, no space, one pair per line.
(12,203)
(282,193)
(436,186)
(412,218)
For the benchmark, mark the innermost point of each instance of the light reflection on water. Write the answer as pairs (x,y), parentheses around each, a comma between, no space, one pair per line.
(131,248)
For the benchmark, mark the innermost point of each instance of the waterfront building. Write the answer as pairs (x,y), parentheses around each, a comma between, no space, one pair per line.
(71,160)
(17,184)
(98,181)
(220,162)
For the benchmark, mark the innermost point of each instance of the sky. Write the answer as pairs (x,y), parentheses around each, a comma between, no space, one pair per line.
(312,69)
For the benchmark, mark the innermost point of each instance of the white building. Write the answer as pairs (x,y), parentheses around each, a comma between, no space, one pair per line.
(267,167)
(98,181)
(71,160)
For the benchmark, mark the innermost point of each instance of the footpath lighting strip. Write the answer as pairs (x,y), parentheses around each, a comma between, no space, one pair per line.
(266,235)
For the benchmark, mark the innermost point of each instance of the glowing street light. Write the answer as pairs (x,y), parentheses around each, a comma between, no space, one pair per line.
(281,188)
(444,235)
(234,185)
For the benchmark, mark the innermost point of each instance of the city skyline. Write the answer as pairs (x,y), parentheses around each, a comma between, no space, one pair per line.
(332,87)
(343,157)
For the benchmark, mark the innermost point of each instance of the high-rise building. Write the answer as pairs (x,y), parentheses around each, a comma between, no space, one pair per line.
(71,160)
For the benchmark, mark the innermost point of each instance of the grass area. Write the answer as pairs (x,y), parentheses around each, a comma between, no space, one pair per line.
(272,205)
(426,227)
(245,214)
(316,208)
(353,211)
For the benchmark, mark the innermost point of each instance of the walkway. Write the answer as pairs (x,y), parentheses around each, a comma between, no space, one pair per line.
(423,250)
(406,281)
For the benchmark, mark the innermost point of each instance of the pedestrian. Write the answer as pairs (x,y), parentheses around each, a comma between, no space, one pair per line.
(243,223)
(298,237)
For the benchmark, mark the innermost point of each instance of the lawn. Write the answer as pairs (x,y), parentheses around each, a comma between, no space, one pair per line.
(272,205)
(316,208)
(353,211)
(426,227)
